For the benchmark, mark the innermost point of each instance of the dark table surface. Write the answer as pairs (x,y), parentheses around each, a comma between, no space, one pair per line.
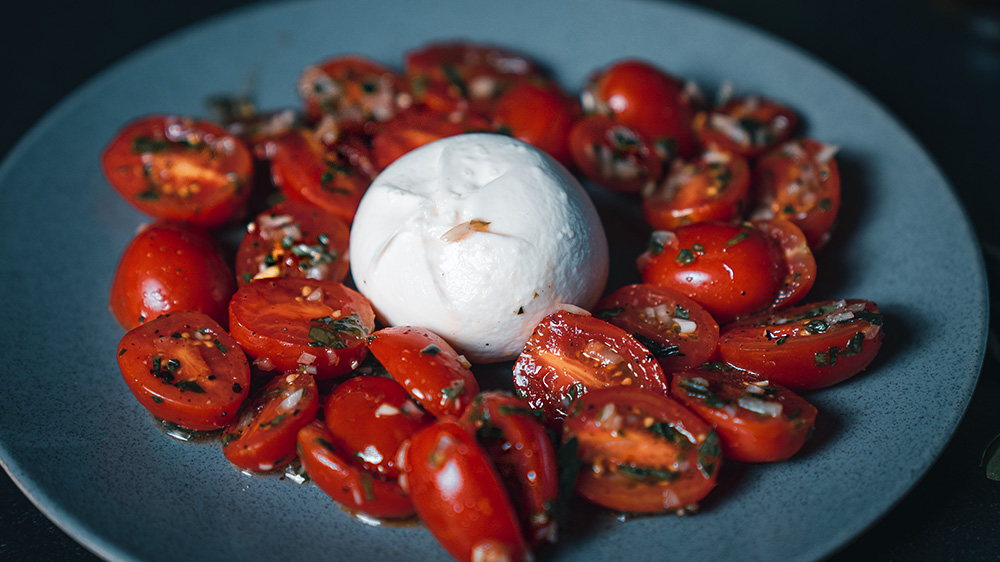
(934,64)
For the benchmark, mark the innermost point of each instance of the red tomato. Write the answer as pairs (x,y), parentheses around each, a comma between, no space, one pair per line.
(801,271)
(458,75)
(647,99)
(712,187)
(170,267)
(641,451)
(570,354)
(350,89)
(306,170)
(184,368)
(263,436)
(800,182)
(179,168)
(347,483)
(678,331)
(290,323)
(294,239)
(808,346)
(614,154)
(459,496)
(757,421)
(748,125)
(731,270)
(416,127)
(370,418)
(427,367)
(540,114)
(520,447)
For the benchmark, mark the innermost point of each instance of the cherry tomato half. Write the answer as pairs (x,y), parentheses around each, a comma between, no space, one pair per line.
(757,421)
(350,485)
(614,154)
(291,323)
(350,89)
(570,354)
(184,368)
(800,273)
(746,125)
(179,168)
(540,114)
(678,331)
(459,496)
(714,186)
(263,435)
(294,239)
(732,270)
(169,267)
(641,451)
(417,126)
(427,367)
(808,346)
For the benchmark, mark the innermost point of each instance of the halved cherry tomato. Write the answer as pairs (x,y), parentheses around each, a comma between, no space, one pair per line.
(290,323)
(350,89)
(370,417)
(614,154)
(179,168)
(756,420)
(799,259)
(294,239)
(416,127)
(641,451)
(460,75)
(306,170)
(648,99)
(427,367)
(351,486)
(678,331)
(184,368)
(800,182)
(459,496)
(732,270)
(540,114)
(746,125)
(263,435)
(570,354)
(520,447)
(714,186)
(808,346)
(170,267)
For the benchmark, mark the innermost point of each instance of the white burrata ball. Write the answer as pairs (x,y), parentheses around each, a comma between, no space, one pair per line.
(477,237)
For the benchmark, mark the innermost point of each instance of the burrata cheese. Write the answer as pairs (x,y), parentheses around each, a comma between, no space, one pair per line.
(477,237)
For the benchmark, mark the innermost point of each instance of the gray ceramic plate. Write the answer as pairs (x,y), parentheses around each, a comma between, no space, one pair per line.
(86,453)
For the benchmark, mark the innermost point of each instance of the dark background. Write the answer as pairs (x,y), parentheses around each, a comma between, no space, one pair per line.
(934,64)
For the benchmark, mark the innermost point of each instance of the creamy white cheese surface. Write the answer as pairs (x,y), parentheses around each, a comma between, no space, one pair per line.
(477,237)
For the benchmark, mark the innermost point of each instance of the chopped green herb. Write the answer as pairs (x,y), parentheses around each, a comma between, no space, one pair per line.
(273,423)
(817,326)
(685,256)
(430,350)
(655,246)
(681,312)
(873,318)
(658,349)
(608,313)
(825,204)
(451,392)
(826,358)
(326,444)
(642,473)
(229,438)
(330,332)
(666,431)
(156,399)
(743,235)
(854,345)
(190,386)
(781,340)
(707,453)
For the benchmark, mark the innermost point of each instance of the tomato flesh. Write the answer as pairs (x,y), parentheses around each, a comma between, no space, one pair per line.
(746,125)
(350,89)
(715,186)
(614,154)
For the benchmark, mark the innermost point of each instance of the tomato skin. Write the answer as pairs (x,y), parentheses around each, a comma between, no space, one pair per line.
(801,264)
(170,267)
(715,186)
(685,332)
(636,451)
(808,346)
(346,483)
(459,496)
(540,114)
(206,399)
(417,126)
(371,417)
(570,354)
(351,89)
(263,436)
(427,367)
(731,270)
(746,125)
(648,99)
(776,425)
(520,447)
(807,166)
(179,168)
(614,154)
(294,239)
(281,323)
